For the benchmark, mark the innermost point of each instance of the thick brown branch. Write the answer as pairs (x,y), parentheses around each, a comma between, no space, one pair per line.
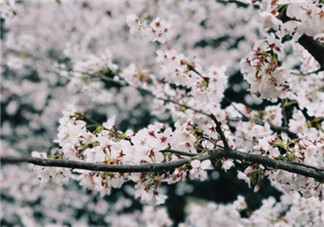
(315,48)
(308,171)
(159,167)
(304,170)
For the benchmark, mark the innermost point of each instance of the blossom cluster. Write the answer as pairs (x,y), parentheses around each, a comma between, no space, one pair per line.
(25,188)
(180,70)
(175,88)
(305,17)
(158,30)
(7,9)
(292,210)
(262,70)
(306,148)
(262,67)
(108,145)
(308,91)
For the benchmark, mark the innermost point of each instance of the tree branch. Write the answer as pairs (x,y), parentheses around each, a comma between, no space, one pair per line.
(307,171)
(157,167)
(315,48)
(277,129)
(183,153)
(220,132)
(227,152)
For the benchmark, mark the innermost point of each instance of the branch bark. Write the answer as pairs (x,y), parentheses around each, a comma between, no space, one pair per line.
(158,167)
(315,48)
(304,170)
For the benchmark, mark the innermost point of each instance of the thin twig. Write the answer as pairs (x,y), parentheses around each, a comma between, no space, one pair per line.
(220,132)
(211,140)
(283,112)
(256,121)
(191,68)
(240,112)
(306,74)
(179,152)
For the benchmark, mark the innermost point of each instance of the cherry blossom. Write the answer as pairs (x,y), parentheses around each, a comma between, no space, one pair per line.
(178,88)
(158,30)
(53,175)
(198,169)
